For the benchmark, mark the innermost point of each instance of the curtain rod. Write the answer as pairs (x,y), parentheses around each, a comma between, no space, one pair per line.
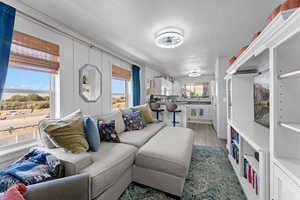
(90,45)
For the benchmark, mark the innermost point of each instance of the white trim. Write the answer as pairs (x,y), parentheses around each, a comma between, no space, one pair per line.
(290,74)
(11,149)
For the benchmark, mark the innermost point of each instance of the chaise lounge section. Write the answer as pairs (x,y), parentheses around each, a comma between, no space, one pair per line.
(163,163)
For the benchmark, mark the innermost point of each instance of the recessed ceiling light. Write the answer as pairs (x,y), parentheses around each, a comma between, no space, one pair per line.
(169,38)
(194,74)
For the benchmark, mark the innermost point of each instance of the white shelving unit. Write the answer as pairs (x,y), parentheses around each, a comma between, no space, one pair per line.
(285,98)
(278,167)
(254,138)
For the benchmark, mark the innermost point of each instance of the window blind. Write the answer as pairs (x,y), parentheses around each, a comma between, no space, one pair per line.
(120,73)
(28,52)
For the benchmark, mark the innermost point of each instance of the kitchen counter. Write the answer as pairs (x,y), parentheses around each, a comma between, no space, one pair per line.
(188,103)
(191,112)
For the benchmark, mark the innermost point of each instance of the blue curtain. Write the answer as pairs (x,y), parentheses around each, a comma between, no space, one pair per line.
(136,88)
(7,21)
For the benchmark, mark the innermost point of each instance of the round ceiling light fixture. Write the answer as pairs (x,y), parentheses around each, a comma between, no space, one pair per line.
(169,38)
(194,74)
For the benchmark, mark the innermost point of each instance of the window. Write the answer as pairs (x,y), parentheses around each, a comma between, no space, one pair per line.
(196,90)
(27,96)
(120,79)
(119,94)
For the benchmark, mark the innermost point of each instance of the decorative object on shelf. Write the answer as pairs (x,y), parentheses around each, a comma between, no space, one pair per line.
(276,11)
(90,83)
(242,50)
(284,6)
(290,4)
(232,60)
(256,35)
(269,19)
(287,5)
(169,38)
(273,14)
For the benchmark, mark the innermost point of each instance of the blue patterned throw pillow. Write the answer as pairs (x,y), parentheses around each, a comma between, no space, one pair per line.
(134,120)
(107,131)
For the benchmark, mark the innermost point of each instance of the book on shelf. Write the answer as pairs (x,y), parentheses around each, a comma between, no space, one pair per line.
(235,153)
(235,135)
(251,175)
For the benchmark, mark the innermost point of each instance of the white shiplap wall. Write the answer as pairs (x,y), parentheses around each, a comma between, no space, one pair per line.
(73,55)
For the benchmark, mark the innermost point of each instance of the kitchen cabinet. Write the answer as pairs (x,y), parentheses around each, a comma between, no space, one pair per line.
(165,87)
(176,88)
(199,113)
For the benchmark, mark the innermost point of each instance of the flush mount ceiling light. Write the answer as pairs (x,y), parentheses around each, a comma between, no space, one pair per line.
(169,38)
(194,74)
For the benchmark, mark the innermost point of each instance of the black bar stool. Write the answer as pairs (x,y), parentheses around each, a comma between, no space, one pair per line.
(172,108)
(155,107)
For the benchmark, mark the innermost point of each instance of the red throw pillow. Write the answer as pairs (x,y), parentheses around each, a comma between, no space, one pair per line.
(15,192)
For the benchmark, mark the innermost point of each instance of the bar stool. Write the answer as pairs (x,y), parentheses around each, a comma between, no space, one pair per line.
(155,107)
(172,108)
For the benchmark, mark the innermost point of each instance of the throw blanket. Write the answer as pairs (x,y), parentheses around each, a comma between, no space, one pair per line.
(34,167)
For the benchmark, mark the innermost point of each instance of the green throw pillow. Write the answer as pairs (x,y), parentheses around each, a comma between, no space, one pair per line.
(68,133)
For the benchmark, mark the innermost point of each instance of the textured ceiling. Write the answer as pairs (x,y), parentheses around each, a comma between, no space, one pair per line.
(211,27)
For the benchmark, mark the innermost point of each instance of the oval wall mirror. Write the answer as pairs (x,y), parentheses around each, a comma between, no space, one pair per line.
(90,83)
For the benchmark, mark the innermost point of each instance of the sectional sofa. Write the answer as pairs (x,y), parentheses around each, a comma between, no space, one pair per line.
(157,156)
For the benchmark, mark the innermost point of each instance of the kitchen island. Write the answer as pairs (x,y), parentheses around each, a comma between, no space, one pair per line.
(191,112)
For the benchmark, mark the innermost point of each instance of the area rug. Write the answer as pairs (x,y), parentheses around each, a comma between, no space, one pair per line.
(211,177)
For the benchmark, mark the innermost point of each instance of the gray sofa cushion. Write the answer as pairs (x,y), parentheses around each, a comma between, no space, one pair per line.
(169,151)
(139,137)
(110,162)
(73,163)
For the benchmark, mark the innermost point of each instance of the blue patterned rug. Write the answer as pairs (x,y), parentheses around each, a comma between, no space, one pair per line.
(211,177)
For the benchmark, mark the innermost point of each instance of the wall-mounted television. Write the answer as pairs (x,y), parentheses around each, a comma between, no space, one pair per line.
(262,99)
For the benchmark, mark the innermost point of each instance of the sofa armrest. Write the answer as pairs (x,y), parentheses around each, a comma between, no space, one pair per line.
(73,163)
(69,188)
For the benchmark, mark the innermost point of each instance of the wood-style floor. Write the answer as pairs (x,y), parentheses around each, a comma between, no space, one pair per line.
(205,135)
